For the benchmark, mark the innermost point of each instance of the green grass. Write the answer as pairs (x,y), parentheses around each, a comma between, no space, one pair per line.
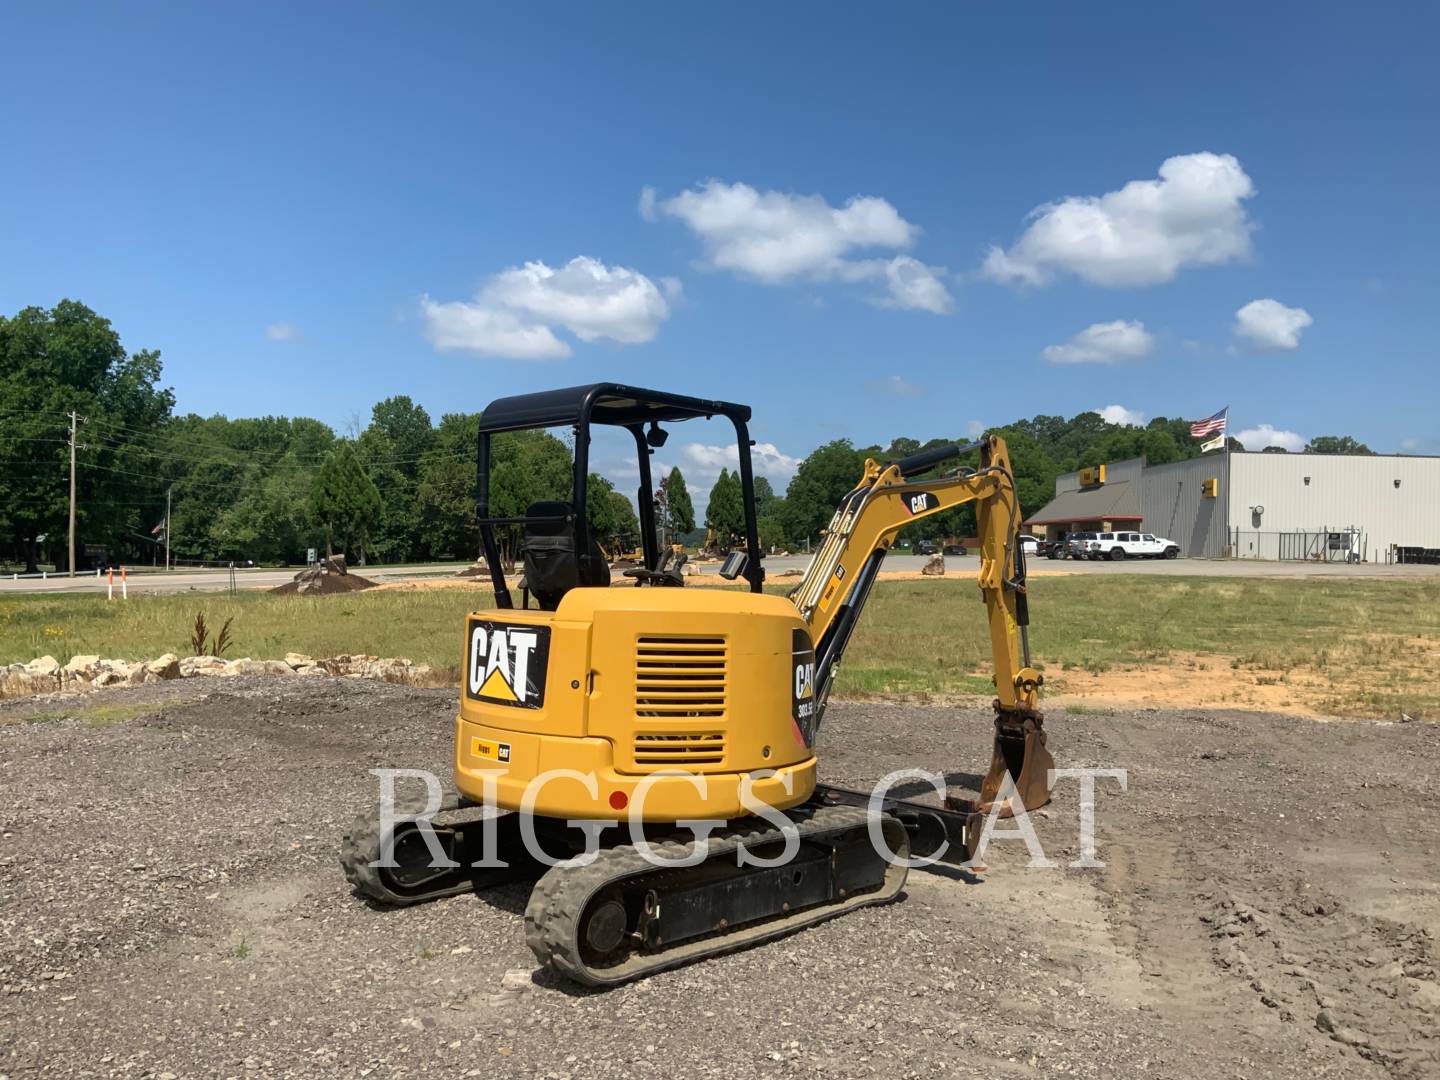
(1361,646)
(1365,640)
(94,715)
(426,626)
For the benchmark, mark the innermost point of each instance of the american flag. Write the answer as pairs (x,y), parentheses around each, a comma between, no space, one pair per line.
(1211,425)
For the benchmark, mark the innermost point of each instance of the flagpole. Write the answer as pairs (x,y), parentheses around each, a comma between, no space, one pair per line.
(1225,434)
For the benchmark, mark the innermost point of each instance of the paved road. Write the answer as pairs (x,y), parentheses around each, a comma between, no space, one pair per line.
(147,581)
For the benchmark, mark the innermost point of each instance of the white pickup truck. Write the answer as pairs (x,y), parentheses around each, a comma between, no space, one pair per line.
(1130,545)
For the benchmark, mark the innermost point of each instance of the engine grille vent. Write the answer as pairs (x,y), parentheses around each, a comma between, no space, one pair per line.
(680,677)
(690,748)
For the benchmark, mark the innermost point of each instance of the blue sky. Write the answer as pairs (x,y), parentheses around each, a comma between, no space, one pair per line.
(309,208)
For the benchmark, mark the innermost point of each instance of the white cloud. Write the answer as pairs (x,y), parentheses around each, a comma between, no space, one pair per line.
(1119,414)
(1270,326)
(1104,343)
(515,312)
(766,459)
(974,428)
(458,326)
(701,463)
(1143,234)
(647,204)
(1257,438)
(914,286)
(778,238)
(282,331)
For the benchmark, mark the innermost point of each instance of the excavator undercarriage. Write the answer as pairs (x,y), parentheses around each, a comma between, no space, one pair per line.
(623,913)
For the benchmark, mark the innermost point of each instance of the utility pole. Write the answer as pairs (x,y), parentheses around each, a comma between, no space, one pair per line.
(167,525)
(72,493)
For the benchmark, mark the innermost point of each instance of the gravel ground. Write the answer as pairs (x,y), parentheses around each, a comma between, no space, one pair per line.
(170,906)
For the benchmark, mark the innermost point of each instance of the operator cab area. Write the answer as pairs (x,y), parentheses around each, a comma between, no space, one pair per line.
(558,549)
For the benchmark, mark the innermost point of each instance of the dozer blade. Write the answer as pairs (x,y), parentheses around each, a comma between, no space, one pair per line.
(1020,752)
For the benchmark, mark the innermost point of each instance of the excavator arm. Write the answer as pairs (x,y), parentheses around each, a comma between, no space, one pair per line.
(837,584)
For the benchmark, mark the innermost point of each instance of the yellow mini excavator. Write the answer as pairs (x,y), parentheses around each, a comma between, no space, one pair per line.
(604,723)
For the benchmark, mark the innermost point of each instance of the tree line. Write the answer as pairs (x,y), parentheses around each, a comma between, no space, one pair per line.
(403,488)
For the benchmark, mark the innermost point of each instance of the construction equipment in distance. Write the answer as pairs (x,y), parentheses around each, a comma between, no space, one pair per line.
(643,689)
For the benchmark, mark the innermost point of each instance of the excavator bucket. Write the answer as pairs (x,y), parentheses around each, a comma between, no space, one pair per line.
(1020,752)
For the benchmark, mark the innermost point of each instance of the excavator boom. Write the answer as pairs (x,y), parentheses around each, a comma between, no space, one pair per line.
(837,584)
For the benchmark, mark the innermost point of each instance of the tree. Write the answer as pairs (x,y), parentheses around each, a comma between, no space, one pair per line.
(344,501)
(725,509)
(391,449)
(765,497)
(627,524)
(771,532)
(612,518)
(445,489)
(269,524)
(526,467)
(677,502)
(1336,444)
(52,362)
(822,480)
(1274,450)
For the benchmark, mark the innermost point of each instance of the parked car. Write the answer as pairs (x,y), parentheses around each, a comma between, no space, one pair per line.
(1075,544)
(927,547)
(1029,545)
(954,549)
(1131,545)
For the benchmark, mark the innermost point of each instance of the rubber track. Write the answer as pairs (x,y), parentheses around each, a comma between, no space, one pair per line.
(361,847)
(552,917)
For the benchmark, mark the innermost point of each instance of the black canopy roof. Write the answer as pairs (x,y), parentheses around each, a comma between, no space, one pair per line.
(605,403)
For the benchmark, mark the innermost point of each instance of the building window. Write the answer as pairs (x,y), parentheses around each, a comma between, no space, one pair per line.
(1307,481)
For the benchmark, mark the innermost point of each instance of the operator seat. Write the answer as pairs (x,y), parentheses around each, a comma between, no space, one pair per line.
(552,565)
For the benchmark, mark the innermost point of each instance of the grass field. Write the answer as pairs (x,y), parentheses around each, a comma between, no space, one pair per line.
(1341,647)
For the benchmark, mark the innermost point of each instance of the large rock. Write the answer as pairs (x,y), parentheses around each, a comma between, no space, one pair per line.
(45,665)
(83,666)
(299,660)
(390,670)
(18,681)
(935,567)
(247,666)
(201,665)
(164,667)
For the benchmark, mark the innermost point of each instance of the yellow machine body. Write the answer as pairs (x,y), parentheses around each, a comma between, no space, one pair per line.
(618,687)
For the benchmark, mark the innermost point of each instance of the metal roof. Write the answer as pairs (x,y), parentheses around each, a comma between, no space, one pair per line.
(1108,502)
(607,403)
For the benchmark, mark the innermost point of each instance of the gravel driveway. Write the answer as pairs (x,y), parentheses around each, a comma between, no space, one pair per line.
(170,906)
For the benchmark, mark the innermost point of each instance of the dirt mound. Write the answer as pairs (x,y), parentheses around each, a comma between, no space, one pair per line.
(326,577)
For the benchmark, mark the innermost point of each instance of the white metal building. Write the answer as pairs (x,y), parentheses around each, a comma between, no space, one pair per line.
(1266,506)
